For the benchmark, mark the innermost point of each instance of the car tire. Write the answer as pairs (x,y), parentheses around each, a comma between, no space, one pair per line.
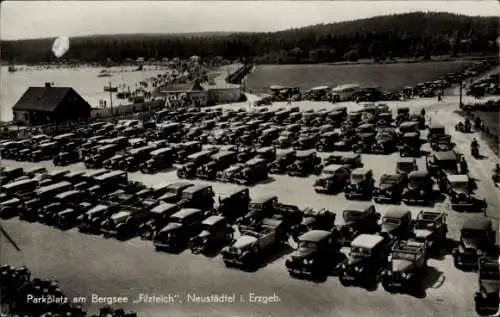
(344,282)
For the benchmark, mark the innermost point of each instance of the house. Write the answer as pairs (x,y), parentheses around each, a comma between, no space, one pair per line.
(43,105)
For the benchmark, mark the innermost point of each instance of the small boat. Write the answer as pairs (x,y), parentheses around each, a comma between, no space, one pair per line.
(104,73)
(12,69)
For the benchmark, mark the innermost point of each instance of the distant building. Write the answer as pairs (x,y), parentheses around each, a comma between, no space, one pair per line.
(204,94)
(42,105)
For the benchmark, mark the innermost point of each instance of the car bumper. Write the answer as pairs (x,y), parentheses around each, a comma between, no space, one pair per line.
(461,205)
(383,198)
(234,259)
(466,260)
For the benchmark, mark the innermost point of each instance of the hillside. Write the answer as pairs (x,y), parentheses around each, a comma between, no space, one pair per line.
(419,35)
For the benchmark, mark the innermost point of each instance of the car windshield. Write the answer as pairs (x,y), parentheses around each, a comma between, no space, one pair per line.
(309,245)
(353,215)
(415,182)
(490,274)
(175,220)
(403,256)
(187,195)
(405,166)
(423,224)
(392,221)
(357,178)
(460,185)
(472,234)
(360,253)
(389,179)
(255,206)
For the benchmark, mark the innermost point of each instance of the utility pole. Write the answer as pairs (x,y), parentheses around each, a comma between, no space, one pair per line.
(461,88)
(111,98)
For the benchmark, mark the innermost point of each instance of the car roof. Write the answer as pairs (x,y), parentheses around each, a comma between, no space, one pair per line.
(315,235)
(232,191)
(161,150)
(446,155)
(418,174)
(179,185)
(162,207)
(408,124)
(263,198)
(476,224)
(436,126)
(360,171)
(212,220)
(461,178)
(333,167)
(185,212)
(397,212)
(366,241)
(255,161)
(358,206)
(406,160)
(305,153)
(285,152)
(195,188)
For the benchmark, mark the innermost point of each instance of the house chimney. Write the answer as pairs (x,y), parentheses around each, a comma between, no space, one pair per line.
(47,84)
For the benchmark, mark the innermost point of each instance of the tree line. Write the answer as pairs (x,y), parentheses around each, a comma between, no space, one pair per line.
(412,35)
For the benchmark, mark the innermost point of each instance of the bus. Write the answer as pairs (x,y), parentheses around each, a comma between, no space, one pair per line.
(344,92)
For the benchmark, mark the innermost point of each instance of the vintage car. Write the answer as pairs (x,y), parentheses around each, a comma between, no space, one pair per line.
(365,261)
(305,142)
(254,244)
(267,153)
(364,142)
(233,204)
(101,154)
(285,140)
(460,188)
(67,199)
(317,256)
(218,162)
(136,158)
(477,238)
(198,196)
(402,115)
(360,184)
(9,174)
(245,153)
(390,188)
(406,165)
(408,127)
(37,171)
(345,142)
(420,189)
(68,217)
(410,144)
(384,119)
(352,160)
(430,227)
(11,207)
(407,265)
(385,142)
(268,136)
(159,159)
(215,233)
(327,141)
(91,220)
(194,161)
(397,224)
(66,158)
(357,218)
(312,219)
(184,150)
(435,131)
(259,208)
(157,219)
(229,173)
(333,179)
(441,163)
(306,162)
(114,162)
(255,170)
(125,223)
(442,143)
(283,159)
(181,227)
(45,151)
(174,191)
(487,299)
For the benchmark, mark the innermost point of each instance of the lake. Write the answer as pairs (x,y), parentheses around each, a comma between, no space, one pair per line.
(386,76)
(83,80)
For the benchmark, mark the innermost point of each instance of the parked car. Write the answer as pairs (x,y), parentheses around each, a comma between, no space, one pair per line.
(390,188)
(157,219)
(357,218)
(218,162)
(397,224)
(430,227)
(365,142)
(406,165)
(255,244)
(255,170)
(306,162)
(410,144)
(318,255)
(215,233)
(66,158)
(283,159)
(487,299)
(460,189)
(312,219)
(367,259)
(159,159)
(407,265)
(326,141)
(228,175)
(234,204)
(181,227)
(333,179)
(420,189)
(352,160)
(198,196)
(477,238)
(360,185)
(194,161)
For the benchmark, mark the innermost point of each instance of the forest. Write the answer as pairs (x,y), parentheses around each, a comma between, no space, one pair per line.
(413,35)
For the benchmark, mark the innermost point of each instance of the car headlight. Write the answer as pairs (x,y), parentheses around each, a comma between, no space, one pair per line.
(422,192)
(389,272)
(479,252)
(404,275)
(461,249)
(389,192)
(358,269)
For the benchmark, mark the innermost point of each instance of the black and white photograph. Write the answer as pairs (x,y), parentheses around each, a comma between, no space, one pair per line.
(249,158)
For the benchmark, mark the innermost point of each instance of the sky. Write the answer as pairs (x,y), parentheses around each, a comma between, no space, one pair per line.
(42,19)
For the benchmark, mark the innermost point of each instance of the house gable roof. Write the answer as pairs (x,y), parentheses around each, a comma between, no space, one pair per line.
(43,98)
